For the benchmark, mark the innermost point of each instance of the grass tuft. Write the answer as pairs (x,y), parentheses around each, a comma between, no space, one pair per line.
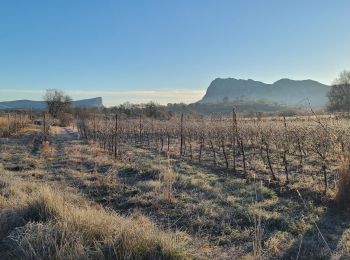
(40,222)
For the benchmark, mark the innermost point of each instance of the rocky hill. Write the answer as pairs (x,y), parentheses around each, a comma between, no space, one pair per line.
(284,91)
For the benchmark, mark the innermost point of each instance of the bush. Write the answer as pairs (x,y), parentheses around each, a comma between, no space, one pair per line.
(66,119)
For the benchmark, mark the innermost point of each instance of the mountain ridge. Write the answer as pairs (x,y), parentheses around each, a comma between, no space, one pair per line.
(39,105)
(283,91)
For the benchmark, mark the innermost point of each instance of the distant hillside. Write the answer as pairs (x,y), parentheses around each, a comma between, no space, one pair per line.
(224,108)
(92,102)
(284,91)
(30,104)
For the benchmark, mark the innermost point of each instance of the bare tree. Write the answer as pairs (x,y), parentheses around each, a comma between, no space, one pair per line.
(339,95)
(58,102)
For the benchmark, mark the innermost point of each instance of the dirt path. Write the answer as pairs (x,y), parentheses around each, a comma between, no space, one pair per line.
(63,133)
(60,137)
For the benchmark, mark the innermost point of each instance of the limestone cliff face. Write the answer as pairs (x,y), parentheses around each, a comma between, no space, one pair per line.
(92,102)
(284,91)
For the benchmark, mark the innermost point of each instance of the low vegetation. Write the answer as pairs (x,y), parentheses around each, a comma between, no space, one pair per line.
(41,222)
(69,198)
(11,123)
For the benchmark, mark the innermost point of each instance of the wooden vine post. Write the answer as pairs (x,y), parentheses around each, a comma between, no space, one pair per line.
(285,162)
(15,122)
(94,127)
(234,136)
(140,129)
(44,126)
(181,133)
(116,136)
(8,124)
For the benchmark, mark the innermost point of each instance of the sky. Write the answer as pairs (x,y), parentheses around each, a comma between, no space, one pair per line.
(165,51)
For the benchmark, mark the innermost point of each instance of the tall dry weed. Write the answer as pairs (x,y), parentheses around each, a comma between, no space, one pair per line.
(167,179)
(342,197)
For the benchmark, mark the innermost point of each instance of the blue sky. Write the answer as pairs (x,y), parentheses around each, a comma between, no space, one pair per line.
(167,51)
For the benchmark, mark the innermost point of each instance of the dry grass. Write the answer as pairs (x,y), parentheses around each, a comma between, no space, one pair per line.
(12,124)
(45,148)
(223,216)
(343,194)
(30,129)
(3,121)
(167,178)
(41,222)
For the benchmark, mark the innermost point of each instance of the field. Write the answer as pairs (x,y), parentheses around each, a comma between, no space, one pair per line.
(188,187)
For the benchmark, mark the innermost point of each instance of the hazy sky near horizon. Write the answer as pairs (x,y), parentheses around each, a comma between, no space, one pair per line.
(166,51)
